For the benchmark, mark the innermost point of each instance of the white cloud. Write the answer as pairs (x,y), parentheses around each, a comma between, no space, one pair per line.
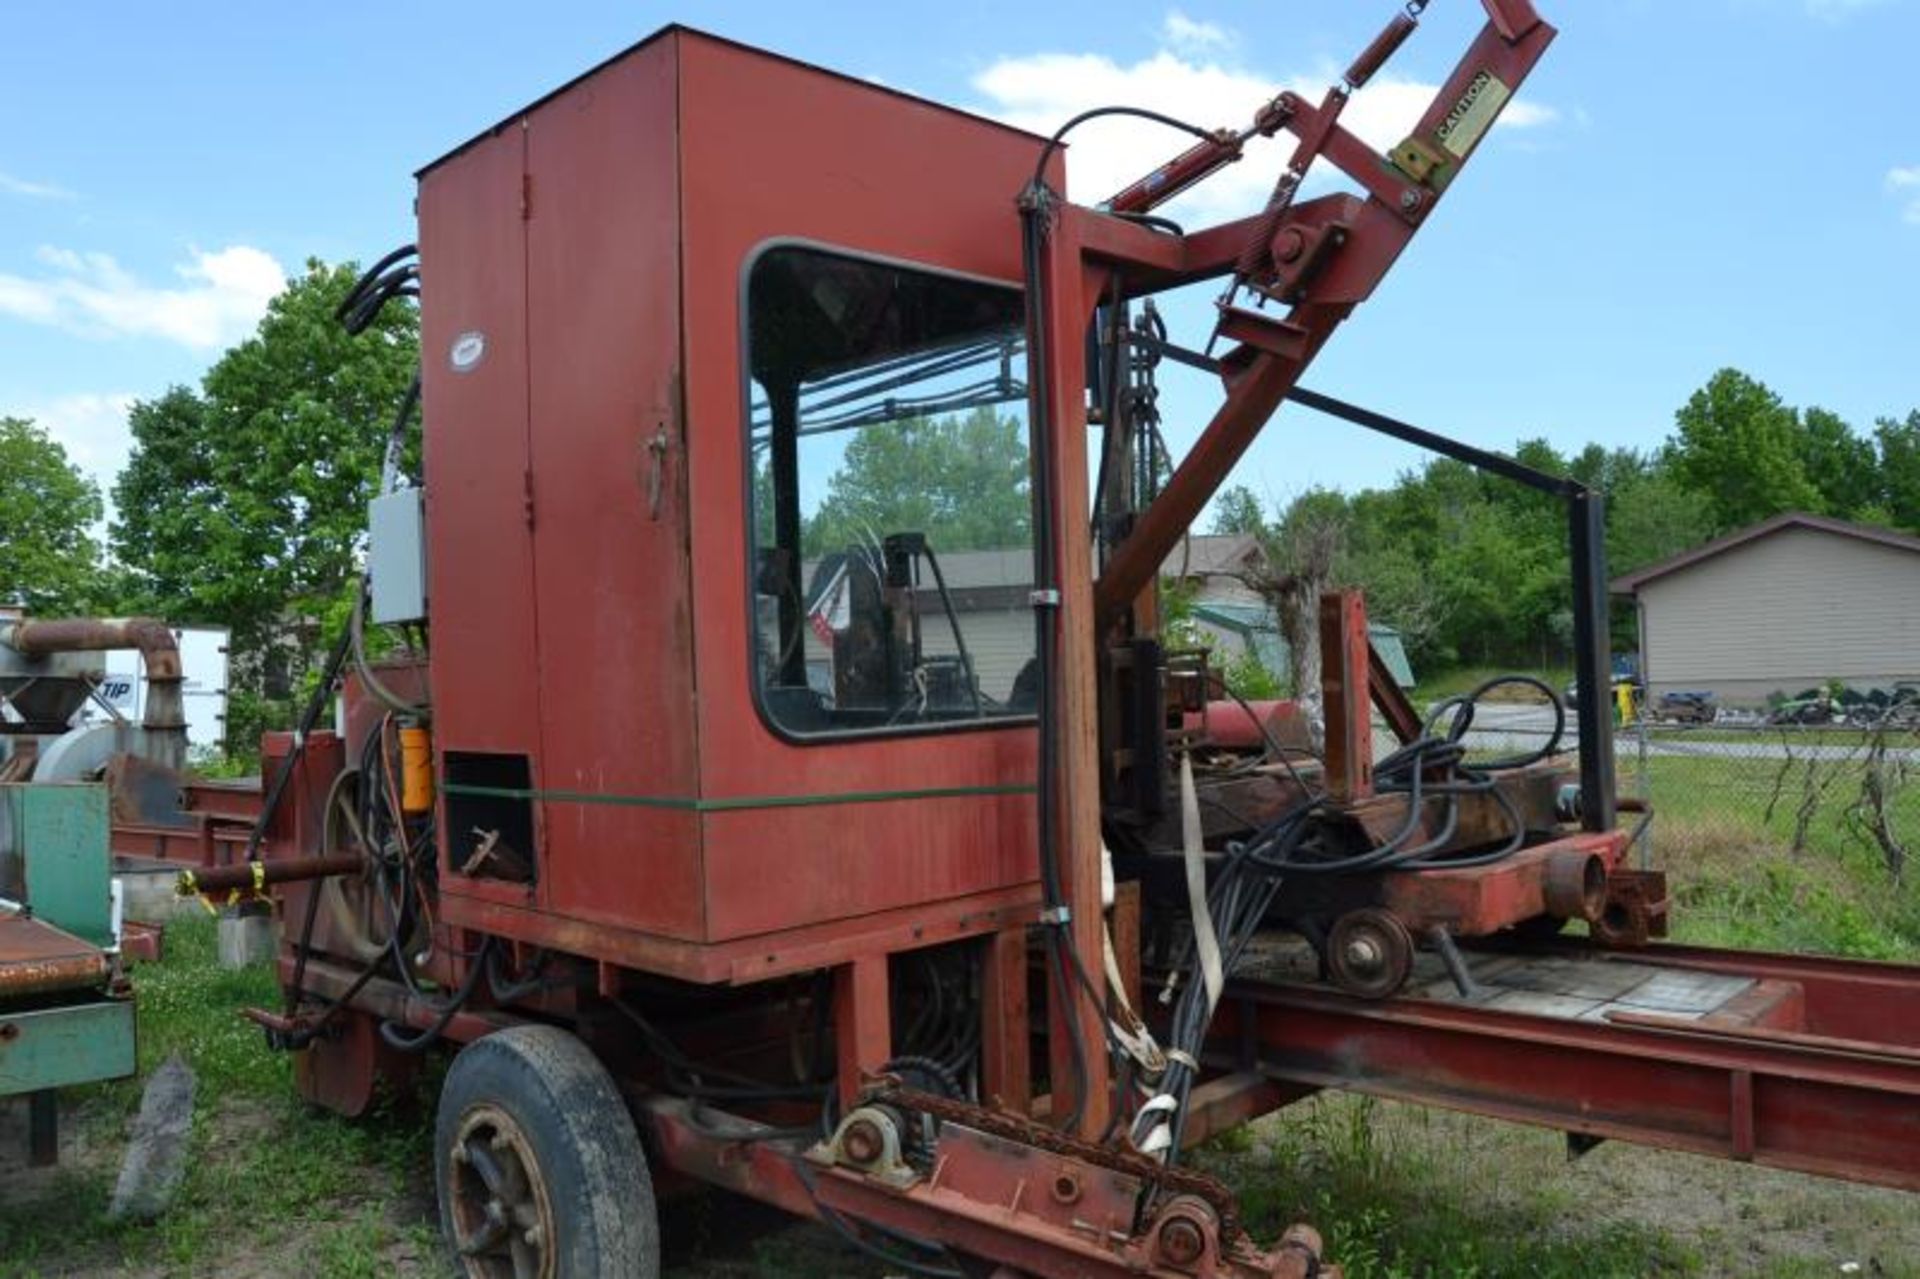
(1905,182)
(1181,32)
(91,426)
(220,296)
(33,190)
(1041,91)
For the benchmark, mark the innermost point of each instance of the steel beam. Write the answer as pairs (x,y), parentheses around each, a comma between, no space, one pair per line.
(1817,1100)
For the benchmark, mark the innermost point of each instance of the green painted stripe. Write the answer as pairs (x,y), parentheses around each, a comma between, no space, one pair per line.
(721,805)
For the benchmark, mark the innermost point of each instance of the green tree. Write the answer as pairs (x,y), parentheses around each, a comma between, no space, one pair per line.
(962,479)
(1840,464)
(1237,510)
(48,558)
(1651,517)
(1899,443)
(244,503)
(1738,448)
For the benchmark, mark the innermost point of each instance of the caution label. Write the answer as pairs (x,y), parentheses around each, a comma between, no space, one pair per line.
(1473,114)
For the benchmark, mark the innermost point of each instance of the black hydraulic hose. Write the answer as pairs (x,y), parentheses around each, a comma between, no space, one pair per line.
(953,624)
(1060,134)
(401,1041)
(371,274)
(506,990)
(1064,964)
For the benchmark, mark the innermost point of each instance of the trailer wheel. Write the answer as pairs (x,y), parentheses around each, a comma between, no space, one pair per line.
(1369,953)
(539,1169)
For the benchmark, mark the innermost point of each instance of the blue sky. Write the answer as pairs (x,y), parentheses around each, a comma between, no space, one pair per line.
(1692,184)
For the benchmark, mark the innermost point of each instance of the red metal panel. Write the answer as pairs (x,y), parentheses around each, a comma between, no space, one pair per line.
(773,150)
(479,549)
(776,868)
(609,504)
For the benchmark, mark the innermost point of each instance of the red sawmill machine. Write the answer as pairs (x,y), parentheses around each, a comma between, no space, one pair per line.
(868,854)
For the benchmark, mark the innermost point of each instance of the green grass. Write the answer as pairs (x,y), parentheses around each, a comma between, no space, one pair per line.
(1736,879)
(1435,685)
(1396,1194)
(262,1163)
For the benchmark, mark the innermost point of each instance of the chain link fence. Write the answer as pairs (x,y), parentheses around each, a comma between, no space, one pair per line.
(1782,835)
(1749,783)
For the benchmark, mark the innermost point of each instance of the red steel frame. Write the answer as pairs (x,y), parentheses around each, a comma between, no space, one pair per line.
(1826,1080)
(665,819)
(1091,257)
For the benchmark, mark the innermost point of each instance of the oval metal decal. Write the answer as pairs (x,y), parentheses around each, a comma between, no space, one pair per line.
(467,351)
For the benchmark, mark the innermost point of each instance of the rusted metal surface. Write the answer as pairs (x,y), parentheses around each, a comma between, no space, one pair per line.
(38,959)
(1227,1101)
(1813,1098)
(1006,1067)
(347,1068)
(1486,899)
(44,636)
(146,792)
(1384,45)
(142,942)
(1030,1133)
(1392,700)
(387,999)
(1378,230)
(249,876)
(1369,952)
(1636,908)
(1014,1218)
(1057,322)
(165,714)
(1481,818)
(1345,682)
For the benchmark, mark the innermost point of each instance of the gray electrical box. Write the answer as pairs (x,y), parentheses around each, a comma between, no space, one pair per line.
(397,556)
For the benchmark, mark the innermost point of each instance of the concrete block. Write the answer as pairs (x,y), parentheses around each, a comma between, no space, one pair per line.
(246,937)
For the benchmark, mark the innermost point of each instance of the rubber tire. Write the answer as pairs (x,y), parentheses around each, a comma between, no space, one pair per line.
(582,1137)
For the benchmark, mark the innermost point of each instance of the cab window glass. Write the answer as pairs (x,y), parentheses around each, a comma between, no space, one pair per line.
(892,544)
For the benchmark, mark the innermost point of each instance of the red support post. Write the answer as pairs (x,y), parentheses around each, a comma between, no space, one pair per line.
(1344,679)
(1005,1054)
(862,1023)
(1076,1036)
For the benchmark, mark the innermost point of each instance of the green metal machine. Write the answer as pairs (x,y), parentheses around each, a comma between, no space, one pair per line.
(66,1016)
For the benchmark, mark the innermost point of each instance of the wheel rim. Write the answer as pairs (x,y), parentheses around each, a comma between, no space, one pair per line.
(497,1197)
(1369,953)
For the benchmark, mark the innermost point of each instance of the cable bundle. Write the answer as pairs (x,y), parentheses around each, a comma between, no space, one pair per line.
(391,277)
(1246,881)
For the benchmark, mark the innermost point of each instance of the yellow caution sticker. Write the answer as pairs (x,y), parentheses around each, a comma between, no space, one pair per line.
(1473,114)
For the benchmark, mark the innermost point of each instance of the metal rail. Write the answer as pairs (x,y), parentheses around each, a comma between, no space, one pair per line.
(1829,1083)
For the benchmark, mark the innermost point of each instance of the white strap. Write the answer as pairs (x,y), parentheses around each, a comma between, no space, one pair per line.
(1204,940)
(1127,1026)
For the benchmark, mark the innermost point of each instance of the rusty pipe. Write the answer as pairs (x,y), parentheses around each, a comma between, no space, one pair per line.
(165,719)
(257,876)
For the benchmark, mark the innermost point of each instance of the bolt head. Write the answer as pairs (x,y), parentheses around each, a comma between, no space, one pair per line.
(1364,953)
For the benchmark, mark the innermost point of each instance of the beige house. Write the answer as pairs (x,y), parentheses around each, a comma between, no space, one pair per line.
(1783,606)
